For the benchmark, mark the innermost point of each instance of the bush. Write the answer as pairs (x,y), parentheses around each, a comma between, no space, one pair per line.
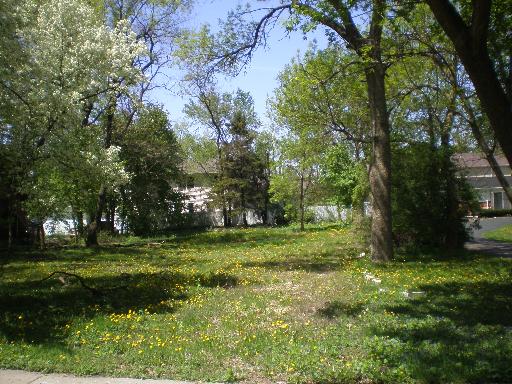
(429,201)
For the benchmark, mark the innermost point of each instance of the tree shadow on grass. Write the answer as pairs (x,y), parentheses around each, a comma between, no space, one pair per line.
(70,253)
(258,235)
(297,264)
(456,332)
(466,304)
(38,311)
(319,262)
(239,239)
(335,309)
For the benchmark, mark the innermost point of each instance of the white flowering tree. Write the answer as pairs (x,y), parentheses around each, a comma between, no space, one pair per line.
(65,66)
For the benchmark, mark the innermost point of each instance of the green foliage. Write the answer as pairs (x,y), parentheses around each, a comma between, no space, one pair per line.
(347,178)
(151,152)
(420,197)
(285,190)
(323,94)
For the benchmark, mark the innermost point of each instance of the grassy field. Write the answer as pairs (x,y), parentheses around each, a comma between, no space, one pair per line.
(501,234)
(258,306)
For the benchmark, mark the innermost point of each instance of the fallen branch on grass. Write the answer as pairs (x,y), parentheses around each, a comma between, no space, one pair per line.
(80,279)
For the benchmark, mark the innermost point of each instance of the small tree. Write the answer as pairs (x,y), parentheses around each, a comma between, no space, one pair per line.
(243,169)
(296,175)
(347,178)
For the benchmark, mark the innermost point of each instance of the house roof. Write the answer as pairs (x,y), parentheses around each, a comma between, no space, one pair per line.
(486,182)
(476,160)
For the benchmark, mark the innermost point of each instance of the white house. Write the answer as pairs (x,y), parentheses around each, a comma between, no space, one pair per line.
(481,177)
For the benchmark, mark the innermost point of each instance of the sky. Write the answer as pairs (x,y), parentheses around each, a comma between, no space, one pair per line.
(260,77)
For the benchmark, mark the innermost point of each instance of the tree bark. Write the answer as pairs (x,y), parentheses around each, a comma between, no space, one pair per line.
(380,169)
(41,236)
(265,214)
(91,239)
(80,223)
(336,15)
(92,229)
(220,176)
(266,197)
(451,240)
(301,201)
(471,45)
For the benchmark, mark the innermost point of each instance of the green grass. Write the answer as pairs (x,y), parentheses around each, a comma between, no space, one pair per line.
(257,305)
(501,234)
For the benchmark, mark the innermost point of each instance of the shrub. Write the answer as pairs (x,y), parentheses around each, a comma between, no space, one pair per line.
(429,201)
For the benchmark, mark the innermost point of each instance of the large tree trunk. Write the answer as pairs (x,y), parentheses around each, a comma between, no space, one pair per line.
(225,218)
(80,223)
(91,239)
(375,71)
(225,215)
(92,230)
(380,169)
(266,196)
(301,201)
(471,45)
(451,240)
(41,238)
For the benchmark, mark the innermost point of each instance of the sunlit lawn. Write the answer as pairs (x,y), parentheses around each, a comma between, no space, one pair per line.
(257,305)
(502,234)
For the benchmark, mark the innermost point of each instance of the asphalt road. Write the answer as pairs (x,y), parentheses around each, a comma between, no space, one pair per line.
(492,247)
(490,224)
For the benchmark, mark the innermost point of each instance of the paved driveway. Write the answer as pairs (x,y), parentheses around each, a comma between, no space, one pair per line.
(480,244)
(8,376)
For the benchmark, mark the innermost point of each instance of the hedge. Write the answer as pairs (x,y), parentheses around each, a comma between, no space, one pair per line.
(495,212)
